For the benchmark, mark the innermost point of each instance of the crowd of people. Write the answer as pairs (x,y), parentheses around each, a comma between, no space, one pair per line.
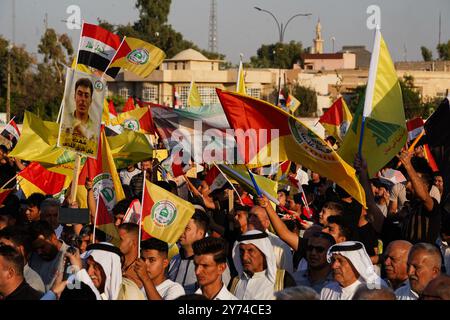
(323,245)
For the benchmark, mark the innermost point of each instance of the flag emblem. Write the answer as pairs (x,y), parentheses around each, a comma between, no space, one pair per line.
(104,186)
(164,213)
(309,142)
(98,85)
(131,124)
(139,56)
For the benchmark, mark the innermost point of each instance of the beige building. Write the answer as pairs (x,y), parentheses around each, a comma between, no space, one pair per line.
(190,65)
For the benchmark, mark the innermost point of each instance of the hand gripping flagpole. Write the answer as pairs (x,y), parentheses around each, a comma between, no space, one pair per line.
(368,102)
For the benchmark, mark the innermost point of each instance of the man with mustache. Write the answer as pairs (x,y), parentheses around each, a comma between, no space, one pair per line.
(258,277)
(395,263)
(103,273)
(424,265)
(352,268)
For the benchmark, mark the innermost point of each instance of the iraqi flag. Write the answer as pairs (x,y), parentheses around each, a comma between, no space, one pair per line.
(415,128)
(97,47)
(133,214)
(215,179)
(12,133)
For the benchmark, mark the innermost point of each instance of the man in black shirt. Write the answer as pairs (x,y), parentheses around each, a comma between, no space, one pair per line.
(12,283)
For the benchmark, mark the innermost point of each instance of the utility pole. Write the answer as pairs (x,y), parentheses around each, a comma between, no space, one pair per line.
(10,47)
(440,25)
(212,43)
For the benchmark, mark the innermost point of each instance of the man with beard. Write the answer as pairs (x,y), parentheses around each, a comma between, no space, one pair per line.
(352,268)
(48,252)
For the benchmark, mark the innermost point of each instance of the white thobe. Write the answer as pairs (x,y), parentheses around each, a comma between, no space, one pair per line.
(258,287)
(334,291)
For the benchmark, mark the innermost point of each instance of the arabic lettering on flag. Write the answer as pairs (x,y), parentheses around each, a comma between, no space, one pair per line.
(97,47)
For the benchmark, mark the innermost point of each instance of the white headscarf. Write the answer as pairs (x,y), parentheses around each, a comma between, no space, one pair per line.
(112,266)
(262,242)
(356,253)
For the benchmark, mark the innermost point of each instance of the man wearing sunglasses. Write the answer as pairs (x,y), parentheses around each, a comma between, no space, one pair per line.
(318,273)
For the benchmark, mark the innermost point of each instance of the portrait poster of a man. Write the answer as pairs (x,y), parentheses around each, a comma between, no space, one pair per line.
(82,113)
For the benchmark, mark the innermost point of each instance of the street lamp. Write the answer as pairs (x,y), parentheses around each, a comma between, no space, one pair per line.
(8,85)
(281,31)
(333,39)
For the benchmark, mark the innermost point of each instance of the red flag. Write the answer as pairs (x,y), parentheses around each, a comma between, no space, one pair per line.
(112,109)
(146,207)
(37,179)
(129,105)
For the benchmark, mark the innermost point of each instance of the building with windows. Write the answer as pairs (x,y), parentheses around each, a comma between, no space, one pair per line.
(176,74)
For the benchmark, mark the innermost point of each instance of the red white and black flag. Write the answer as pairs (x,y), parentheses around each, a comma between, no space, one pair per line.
(11,132)
(97,47)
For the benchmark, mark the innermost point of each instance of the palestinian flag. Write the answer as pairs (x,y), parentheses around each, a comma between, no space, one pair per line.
(337,119)
(97,47)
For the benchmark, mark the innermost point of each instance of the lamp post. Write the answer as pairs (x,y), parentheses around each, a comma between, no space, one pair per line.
(281,31)
(8,85)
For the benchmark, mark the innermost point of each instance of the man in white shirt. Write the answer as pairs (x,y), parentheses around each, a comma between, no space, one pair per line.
(210,260)
(352,268)
(395,263)
(424,265)
(128,173)
(151,270)
(258,277)
(259,220)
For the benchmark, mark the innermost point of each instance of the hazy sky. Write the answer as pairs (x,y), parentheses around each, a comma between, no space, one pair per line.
(405,23)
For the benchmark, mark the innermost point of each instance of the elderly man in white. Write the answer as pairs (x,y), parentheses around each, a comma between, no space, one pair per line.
(352,268)
(258,277)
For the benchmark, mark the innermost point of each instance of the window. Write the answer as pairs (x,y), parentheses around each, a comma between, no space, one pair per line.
(208,95)
(184,93)
(150,93)
(124,93)
(254,92)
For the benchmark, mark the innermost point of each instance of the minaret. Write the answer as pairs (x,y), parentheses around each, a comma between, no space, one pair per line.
(318,41)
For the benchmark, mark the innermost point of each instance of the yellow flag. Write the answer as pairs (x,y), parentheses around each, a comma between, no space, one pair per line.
(136,120)
(292,103)
(194,99)
(136,56)
(240,83)
(164,215)
(385,126)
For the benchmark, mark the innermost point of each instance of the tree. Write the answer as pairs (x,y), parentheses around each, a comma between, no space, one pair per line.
(444,50)
(278,55)
(426,54)
(152,27)
(308,99)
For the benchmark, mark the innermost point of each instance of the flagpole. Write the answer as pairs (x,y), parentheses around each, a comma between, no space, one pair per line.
(59,113)
(9,181)
(111,61)
(224,175)
(95,218)
(368,102)
(142,213)
(79,43)
(73,191)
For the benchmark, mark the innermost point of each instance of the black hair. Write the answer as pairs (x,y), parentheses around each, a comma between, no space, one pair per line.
(131,228)
(20,236)
(201,220)
(84,82)
(324,235)
(35,200)
(3,148)
(298,198)
(41,227)
(239,207)
(335,206)
(215,246)
(345,229)
(284,191)
(165,185)
(155,244)
(121,207)
(13,256)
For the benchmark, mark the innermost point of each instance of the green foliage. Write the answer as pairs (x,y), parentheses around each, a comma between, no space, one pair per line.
(412,100)
(426,54)
(444,50)
(308,99)
(277,55)
(152,27)
(118,101)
